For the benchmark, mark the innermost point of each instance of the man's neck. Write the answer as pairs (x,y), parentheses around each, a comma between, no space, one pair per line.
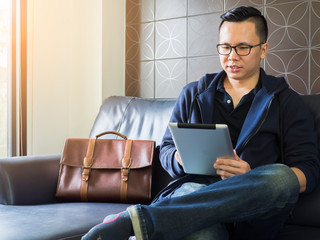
(238,88)
(241,84)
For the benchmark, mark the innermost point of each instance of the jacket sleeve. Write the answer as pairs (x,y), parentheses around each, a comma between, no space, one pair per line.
(180,114)
(300,139)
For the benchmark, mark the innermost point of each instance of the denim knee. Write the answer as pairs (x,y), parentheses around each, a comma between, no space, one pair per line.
(280,182)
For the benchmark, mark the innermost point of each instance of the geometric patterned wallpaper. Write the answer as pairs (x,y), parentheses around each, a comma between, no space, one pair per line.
(170,43)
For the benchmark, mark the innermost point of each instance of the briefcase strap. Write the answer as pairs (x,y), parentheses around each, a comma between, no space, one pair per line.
(86,169)
(125,170)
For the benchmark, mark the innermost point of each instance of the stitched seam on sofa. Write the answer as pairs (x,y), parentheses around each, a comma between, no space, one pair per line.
(123,115)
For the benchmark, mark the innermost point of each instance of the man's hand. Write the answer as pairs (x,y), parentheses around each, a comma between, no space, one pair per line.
(301,178)
(227,167)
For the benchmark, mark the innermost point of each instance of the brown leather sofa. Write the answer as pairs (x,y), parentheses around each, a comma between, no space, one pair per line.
(29,209)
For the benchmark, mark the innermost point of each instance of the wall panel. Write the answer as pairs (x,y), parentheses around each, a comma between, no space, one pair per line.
(170,43)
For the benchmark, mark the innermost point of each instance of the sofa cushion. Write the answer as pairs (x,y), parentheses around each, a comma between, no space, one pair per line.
(53,221)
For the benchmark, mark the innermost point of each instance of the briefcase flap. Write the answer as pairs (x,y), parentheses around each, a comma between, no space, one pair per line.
(108,153)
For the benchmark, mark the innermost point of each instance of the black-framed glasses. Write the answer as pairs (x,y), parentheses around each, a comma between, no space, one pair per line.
(241,49)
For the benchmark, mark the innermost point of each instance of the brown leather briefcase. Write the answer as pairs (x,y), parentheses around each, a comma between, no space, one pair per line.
(106,170)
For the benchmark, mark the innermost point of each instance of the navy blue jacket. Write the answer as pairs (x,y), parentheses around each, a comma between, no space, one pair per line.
(258,142)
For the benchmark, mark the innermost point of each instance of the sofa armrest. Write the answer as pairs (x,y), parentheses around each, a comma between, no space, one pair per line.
(307,210)
(28,180)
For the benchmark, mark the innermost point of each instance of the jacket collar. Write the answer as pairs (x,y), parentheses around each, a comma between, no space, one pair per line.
(272,84)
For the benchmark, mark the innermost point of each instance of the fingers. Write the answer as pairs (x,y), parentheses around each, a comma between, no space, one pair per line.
(236,155)
(224,174)
(227,167)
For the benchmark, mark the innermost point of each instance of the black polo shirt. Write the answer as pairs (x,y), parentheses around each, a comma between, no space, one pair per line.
(225,113)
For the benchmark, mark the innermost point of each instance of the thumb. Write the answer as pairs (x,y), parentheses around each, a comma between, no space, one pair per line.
(236,155)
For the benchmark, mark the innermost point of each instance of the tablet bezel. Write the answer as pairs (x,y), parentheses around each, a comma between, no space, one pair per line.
(192,141)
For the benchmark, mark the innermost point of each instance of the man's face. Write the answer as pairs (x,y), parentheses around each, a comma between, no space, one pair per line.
(237,67)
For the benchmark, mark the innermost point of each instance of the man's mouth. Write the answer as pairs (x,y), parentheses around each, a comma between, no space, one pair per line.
(234,68)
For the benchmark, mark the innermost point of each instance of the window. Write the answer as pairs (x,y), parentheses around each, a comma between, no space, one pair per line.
(13,62)
(5,30)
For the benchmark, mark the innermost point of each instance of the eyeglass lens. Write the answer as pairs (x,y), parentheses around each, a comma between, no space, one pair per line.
(240,49)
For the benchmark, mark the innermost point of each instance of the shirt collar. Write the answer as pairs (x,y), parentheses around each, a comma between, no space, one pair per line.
(220,86)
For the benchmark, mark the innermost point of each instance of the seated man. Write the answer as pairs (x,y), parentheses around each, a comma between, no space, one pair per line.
(254,193)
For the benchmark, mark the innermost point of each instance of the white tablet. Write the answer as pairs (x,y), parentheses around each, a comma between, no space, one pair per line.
(199,145)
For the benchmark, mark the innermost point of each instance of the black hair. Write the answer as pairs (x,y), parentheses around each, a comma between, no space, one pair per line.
(247,13)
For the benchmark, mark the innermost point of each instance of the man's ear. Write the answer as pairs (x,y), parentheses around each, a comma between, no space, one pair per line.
(264,50)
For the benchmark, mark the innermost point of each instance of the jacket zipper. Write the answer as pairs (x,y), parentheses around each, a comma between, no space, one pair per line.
(257,130)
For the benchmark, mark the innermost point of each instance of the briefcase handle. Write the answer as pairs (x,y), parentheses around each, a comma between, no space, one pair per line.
(111,132)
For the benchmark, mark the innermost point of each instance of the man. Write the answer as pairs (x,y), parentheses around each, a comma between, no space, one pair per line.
(254,194)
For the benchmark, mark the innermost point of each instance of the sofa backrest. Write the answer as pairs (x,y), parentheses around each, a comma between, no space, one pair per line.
(136,118)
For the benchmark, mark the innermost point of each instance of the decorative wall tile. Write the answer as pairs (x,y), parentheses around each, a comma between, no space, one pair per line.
(315,71)
(170,9)
(288,25)
(198,67)
(269,2)
(170,77)
(139,11)
(171,38)
(140,42)
(236,3)
(315,24)
(293,65)
(197,7)
(140,79)
(203,35)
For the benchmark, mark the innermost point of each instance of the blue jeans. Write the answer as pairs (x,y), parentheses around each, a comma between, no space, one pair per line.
(217,231)
(256,203)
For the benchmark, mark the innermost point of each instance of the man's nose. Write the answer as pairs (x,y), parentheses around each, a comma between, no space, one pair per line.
(233,54)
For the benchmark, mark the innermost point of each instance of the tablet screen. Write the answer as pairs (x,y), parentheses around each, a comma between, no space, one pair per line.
(199,145)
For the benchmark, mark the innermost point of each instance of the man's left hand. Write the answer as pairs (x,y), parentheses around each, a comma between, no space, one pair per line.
(227,167)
